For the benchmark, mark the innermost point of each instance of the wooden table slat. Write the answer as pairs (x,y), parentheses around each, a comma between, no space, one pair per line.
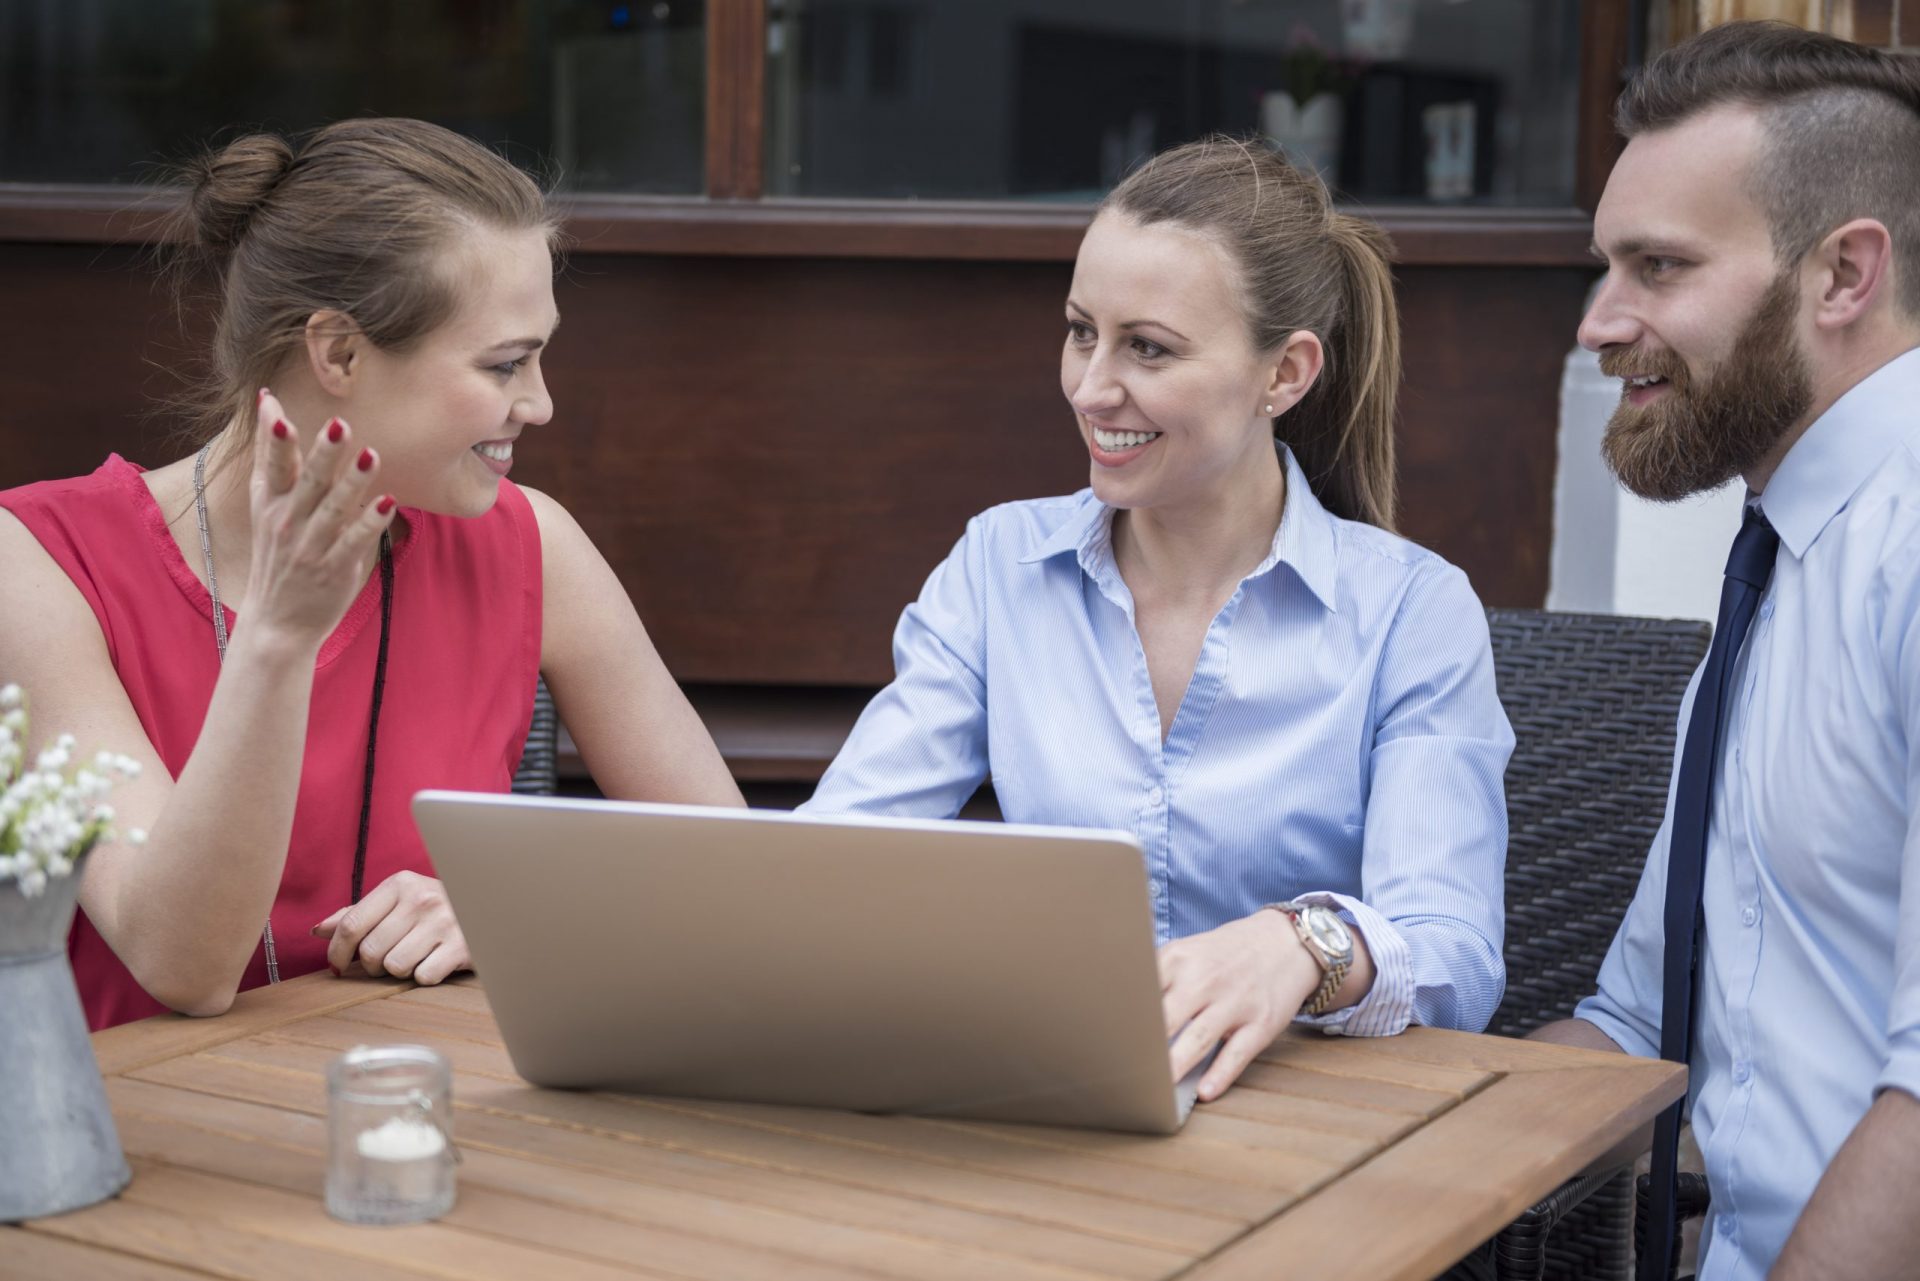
(1360,1058)
(995,1154)
(1352,1091)
(434,1248)
(1310,1125)
(37,1256)
(208,1247)
(1288,1165)
(132,1045)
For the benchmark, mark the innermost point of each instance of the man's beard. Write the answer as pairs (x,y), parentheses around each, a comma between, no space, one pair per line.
(1698,437)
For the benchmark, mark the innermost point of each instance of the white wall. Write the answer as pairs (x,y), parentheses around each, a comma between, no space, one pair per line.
(1614,553)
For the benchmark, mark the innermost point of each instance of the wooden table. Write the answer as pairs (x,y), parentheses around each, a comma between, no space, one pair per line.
(1375,1159)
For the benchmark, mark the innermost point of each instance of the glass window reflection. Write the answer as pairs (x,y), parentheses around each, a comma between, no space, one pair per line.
(608,95)
(1425,101)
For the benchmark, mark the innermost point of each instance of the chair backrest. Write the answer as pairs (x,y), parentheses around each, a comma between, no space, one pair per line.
(1593,700)
(537,775)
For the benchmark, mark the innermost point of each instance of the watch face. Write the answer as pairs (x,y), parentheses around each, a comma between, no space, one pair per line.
(1328,930)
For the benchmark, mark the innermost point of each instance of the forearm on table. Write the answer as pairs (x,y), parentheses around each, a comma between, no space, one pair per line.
(184,910)
(1578,1033)
(1582,1035)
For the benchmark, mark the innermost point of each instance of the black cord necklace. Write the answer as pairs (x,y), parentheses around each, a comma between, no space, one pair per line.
(379,684)
(373,719)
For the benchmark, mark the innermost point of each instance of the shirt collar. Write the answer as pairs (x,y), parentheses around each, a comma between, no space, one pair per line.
(1306,540)
(1827,465)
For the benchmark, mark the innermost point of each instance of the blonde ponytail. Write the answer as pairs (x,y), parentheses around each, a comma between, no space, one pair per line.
(1350,439)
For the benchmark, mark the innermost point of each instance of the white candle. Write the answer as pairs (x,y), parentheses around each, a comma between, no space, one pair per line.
(404,1161)
(401,1138)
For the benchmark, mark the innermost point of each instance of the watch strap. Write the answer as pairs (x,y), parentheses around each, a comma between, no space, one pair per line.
(1333,969)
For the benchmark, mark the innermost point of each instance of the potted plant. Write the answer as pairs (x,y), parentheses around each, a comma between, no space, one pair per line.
(1303,117)
(61,1150)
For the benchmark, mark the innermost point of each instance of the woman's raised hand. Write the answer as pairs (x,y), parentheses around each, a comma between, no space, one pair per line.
(316,526)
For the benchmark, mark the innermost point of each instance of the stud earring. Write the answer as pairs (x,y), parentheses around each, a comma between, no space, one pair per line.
(1269,411)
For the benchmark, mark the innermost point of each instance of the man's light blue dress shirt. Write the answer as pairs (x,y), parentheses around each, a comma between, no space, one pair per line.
(1810,976)
(1341,736)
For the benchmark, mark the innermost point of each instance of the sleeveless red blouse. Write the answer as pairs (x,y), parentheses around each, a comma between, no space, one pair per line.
(463,655)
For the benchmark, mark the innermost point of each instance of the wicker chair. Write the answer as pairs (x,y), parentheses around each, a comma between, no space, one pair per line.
(537,775)
(1593,700)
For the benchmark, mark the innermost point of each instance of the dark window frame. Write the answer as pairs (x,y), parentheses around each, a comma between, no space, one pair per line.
(733,218)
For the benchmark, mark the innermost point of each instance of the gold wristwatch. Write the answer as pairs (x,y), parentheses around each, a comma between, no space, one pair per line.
(1329,941)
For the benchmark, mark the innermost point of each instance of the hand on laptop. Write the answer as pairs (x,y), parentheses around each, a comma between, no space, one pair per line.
(1240,984)
(404,927)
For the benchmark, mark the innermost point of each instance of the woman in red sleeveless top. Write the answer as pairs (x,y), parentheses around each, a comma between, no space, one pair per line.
(387,597)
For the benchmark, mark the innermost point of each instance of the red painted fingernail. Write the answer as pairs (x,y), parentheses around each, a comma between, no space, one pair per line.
(335,430)
(385,505)
(280,429)
(365,461)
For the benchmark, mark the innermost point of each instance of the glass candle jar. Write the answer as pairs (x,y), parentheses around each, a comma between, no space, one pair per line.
(390,1153)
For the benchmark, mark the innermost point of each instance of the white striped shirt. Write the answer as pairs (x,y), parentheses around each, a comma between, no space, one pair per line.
(1341,737)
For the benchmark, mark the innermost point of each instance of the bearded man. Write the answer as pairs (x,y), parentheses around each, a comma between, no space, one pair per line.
(1761,234)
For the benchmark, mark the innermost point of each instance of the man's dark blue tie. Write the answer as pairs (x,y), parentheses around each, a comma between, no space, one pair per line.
(1748,569)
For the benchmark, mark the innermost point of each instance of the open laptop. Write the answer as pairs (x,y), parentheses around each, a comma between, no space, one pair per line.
(958,969)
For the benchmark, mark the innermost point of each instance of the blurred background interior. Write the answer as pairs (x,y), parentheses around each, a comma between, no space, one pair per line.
(820,249)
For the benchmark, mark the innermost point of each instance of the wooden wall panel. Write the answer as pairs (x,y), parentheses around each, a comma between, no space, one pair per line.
(1885,23)
(773,452)
(1480,414)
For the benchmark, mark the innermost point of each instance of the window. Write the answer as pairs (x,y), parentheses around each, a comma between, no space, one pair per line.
(1465,101)
(610,96)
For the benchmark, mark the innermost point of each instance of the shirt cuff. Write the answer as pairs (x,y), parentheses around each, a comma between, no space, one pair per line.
(1387,1007)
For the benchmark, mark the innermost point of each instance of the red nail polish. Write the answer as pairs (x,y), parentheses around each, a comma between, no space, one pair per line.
(365,461)
(385,505)
(335,430)
(280,429)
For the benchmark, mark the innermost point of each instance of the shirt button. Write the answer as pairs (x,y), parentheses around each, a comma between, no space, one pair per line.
(1749,917)
(1156,796)
(1741,1072)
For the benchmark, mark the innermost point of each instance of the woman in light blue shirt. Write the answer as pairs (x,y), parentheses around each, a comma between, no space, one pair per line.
(1220,646)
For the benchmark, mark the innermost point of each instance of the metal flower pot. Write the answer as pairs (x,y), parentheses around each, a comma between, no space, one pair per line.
(58,1148)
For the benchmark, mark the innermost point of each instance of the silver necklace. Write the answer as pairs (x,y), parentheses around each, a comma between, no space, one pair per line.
(220,639)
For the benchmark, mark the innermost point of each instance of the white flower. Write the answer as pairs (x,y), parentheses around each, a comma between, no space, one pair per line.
(48,818)
(136,836)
